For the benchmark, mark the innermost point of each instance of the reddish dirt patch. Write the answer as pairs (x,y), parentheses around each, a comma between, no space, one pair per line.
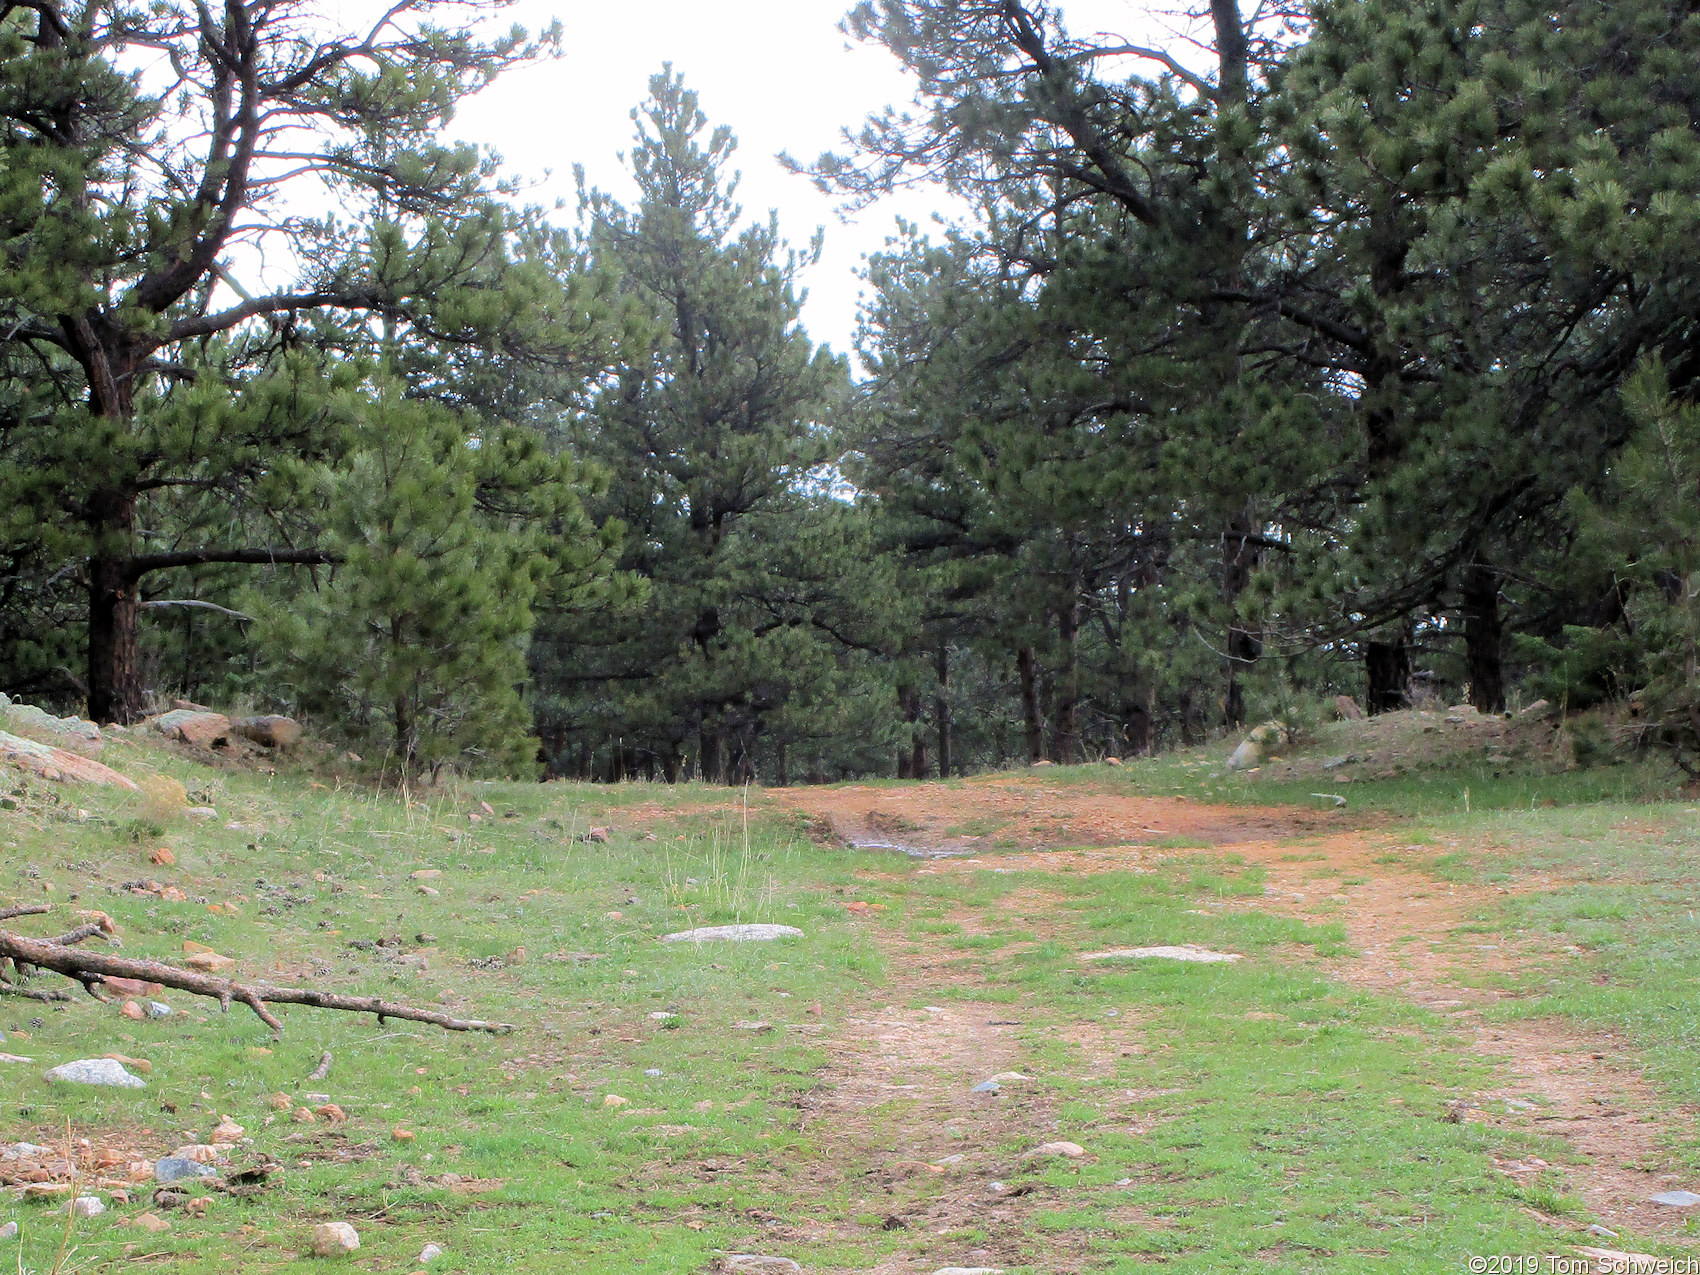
(1018,811)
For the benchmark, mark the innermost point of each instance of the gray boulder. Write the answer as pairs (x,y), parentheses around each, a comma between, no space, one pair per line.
(96,1071)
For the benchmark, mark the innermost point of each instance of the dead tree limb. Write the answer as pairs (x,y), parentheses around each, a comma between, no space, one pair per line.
(32,994)
(28,909)
(79,934)
(90,968)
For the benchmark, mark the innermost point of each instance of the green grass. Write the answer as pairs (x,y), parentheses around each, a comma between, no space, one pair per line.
(1461,784)
(1255,1116)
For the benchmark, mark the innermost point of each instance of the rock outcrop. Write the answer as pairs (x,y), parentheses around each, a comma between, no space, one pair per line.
(204,730)
(269,731)
(57,764)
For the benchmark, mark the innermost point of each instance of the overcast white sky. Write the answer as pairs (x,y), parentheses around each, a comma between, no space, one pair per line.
(777,71)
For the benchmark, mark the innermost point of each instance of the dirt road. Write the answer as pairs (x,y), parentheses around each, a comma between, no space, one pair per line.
(1402,923)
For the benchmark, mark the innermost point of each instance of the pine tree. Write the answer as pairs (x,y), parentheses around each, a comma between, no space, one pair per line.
(129,217)
(446,533)
(707,431)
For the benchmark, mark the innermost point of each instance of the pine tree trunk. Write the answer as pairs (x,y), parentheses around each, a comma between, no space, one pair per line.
(1027,666)
(114,672)
(1239,558)
(1136,729)
(709,750)
(941,707)
(1484,638)
(1066,741)
(1387,667)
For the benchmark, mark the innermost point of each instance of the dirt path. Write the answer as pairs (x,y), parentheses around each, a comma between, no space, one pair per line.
(1554,1079)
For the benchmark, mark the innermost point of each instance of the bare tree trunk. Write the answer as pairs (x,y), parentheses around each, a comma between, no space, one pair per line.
(1484,638)
(1027,667)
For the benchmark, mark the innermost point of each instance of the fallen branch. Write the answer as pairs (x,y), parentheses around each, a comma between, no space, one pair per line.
(323,1069)
(79,934)
(28,909)
(31,994)
(91,968)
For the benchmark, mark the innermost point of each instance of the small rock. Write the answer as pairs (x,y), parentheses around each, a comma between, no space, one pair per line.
(1602,1232)
(752,1025)
(162,857)
(199,1152)
(9,1231)
(398,1134)
(652,1072)
(96,1071)
(280,1102)
(425,874)
(331,1112)
(598,836)
(135,1064)
(227,1131)
(756,1262)
(301,1115)
(152,1222)
(1070,1150)
(24,1151)
(334,1239)
(614,1100)
(661,1015)
(202,812)
(1676,1199)
(132,1010)
(200,957)
(987,1086)
(430,1253)
(969,1270)
(1186,952)
(158,1009)
(734,934)
(175,1168)
(1009,1077)
(87,1206)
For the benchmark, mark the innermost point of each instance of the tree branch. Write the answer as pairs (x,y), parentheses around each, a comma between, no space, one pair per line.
(91,968)
(196,602)
(143,563)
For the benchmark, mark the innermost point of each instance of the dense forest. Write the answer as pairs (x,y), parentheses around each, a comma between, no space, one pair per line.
(1362,360)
